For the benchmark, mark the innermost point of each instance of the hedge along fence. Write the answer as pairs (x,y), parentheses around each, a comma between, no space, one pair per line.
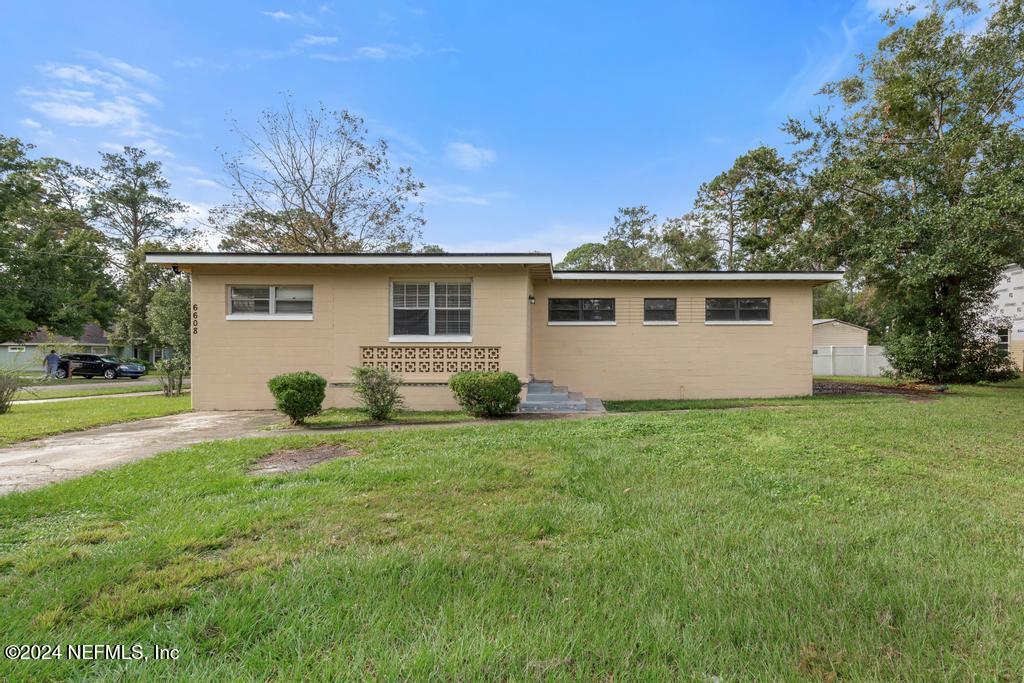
(486,394)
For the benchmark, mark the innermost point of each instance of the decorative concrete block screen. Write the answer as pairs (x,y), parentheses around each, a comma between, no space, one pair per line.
(859,361)
(432,360)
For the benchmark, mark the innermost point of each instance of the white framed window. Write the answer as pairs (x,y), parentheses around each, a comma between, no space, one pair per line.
(280,302)
(431,311)
(16,349)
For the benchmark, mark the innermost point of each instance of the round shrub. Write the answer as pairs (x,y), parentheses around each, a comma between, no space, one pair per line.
(486,394)
(298,394)
(378,391)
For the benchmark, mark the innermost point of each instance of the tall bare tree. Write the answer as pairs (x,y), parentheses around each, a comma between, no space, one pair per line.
(309,181)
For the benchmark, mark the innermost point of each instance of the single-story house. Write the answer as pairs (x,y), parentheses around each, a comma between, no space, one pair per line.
(1009,305)
(27,355)
(833,332)
(609,335)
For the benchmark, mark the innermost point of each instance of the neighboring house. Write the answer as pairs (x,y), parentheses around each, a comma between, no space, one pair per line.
(28,355)
(833,332)
(1009,304)
(610,335)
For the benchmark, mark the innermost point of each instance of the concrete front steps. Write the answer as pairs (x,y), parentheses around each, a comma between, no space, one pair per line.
(543,396)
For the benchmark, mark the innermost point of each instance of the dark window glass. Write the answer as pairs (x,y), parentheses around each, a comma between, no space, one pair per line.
(737,309)
(1003,341)
(412,321)
(581,310)
(659,310)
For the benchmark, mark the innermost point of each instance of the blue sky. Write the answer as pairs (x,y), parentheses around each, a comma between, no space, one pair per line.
(530,123)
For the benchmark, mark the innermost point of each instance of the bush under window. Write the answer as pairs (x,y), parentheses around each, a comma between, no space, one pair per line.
(298,394)
(486,394)
(378,391)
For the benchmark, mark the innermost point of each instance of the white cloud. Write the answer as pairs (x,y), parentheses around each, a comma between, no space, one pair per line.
(459,194)
(319,40)
(557,239)
(31,123)
(129,71)
(377,53)
(205,182)
(82,96)
(468,157)
(279,15)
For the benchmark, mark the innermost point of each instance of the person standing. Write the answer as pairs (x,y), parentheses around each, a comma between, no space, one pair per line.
(50,363)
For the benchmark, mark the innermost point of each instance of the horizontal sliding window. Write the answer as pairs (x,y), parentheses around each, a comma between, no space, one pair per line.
(431,308)
(737,310)
(581,310)
(271,300)
(659,310)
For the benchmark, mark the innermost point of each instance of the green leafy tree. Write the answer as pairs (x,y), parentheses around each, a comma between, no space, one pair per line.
(140,282)
(170,315)
(691,244)
(310,181)
(129,200)
(633,242)
(53,267)
(760,208)
(918,184)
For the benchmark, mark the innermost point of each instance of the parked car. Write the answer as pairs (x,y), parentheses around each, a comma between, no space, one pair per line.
(90,365)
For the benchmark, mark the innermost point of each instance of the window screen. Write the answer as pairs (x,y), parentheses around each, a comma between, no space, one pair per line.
(726,310)
(581,310)
(271,300)
(250,300)
(659,310)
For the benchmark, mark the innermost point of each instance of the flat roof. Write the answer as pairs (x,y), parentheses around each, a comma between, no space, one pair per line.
(196,258)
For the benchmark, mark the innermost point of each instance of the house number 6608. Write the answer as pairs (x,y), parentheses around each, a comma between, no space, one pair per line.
(195,318)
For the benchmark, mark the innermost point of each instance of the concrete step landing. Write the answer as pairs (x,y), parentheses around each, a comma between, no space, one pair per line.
(544,396)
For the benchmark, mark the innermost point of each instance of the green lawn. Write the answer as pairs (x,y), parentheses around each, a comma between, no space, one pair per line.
(35,420)
(723,403)
(347,417)
(29,393)
(880,541)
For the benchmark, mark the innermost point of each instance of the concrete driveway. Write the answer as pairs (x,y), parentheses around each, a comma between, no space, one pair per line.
(37,463)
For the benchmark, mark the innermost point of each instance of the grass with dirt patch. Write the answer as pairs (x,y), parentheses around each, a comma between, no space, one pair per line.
(348,417)
(32,394)
(35,420)
(882,541)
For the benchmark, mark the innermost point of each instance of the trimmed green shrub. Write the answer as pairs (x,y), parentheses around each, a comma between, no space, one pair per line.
(486,394)
(378,391)
(298,394)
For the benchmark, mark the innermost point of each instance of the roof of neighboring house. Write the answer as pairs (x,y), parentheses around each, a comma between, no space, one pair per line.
(92,334)
(194,258)
(820,321)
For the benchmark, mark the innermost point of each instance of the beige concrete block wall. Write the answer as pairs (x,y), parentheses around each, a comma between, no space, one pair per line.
(631,360)
(1017,352)
(233,359)
(839,334)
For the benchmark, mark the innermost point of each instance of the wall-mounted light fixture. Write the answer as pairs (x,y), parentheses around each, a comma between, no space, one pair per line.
(176,270)
(533,299)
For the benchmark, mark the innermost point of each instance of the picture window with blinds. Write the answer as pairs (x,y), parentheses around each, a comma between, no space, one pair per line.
(431,309)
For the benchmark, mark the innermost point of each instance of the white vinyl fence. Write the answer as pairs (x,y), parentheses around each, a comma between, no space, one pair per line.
(861,361)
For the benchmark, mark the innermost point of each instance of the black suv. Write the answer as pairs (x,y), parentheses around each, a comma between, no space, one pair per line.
(90,365)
